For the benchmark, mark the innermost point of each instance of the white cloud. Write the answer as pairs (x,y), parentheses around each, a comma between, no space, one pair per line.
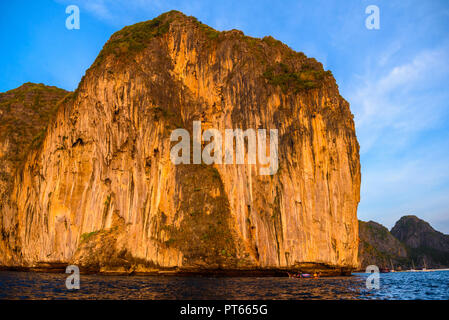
(98,8)
(396,100)
(401,108)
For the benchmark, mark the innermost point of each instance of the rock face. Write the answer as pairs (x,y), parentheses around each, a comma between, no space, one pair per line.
(377,246)
(427,247)
(100,191)
(24,115)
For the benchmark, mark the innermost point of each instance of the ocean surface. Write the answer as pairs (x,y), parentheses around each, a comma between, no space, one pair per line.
(398,286)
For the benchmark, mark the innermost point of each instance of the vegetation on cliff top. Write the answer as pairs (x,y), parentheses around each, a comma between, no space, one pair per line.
(134,38)
(25,113)
(211,33)
(307,78)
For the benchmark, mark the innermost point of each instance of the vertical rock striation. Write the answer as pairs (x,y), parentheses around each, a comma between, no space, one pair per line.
(101,191)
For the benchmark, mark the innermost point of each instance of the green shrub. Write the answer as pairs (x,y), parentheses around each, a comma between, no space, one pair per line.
(87,235)
(134,38)
(306,78)
(211,33)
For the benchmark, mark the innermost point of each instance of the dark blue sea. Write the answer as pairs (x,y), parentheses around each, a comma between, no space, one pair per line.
(397,286)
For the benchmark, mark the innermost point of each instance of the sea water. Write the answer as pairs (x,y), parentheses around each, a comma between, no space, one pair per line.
(397,285)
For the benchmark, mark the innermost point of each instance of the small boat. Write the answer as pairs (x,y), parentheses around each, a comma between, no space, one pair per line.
(299,275)
(305,275)
(384,270)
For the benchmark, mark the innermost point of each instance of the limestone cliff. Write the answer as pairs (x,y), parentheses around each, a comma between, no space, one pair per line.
(24,115)
(100,190)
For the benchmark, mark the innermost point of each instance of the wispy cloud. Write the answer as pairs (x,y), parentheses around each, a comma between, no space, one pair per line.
(400,98)
(401,110)
(99,8)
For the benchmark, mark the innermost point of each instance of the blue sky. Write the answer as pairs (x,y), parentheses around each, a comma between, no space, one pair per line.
(396,78)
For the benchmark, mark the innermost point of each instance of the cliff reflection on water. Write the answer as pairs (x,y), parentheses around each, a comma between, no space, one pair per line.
(23,285)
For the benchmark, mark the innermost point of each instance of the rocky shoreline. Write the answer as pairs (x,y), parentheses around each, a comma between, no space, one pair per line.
(323,270)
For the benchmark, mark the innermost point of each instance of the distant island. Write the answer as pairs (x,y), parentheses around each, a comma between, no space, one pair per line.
(411,243)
